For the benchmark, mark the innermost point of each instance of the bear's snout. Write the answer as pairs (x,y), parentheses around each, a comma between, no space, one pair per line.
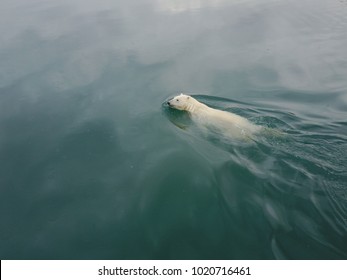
(168,103)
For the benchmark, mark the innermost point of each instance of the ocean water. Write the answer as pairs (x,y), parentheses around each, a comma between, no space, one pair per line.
(94,165)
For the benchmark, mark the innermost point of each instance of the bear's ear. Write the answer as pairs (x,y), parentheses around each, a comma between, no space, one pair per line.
(181,93)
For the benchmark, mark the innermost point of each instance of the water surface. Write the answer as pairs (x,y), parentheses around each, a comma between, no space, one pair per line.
(93,165)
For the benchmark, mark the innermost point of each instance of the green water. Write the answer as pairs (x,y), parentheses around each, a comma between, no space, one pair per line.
(93,165)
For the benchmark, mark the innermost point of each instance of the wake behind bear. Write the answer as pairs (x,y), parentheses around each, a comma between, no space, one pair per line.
(225,123)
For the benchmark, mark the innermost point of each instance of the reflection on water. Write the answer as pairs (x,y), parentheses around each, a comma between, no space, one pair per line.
(181,6)
(92,166)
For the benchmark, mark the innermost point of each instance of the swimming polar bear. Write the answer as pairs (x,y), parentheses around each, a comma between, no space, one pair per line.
(225,123)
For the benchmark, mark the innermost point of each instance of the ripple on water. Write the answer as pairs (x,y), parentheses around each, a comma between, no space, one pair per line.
(295,181)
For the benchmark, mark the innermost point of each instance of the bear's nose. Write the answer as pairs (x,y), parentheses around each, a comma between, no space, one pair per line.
(168,103)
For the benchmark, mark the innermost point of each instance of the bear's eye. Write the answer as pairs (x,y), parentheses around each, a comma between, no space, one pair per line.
(177,100)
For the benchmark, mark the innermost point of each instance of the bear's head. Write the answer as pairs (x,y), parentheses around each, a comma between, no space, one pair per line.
(180,102)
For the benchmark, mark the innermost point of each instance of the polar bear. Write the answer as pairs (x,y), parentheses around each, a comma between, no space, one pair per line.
(225,123)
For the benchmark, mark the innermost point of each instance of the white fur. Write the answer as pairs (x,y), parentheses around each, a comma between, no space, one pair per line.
(227,123)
